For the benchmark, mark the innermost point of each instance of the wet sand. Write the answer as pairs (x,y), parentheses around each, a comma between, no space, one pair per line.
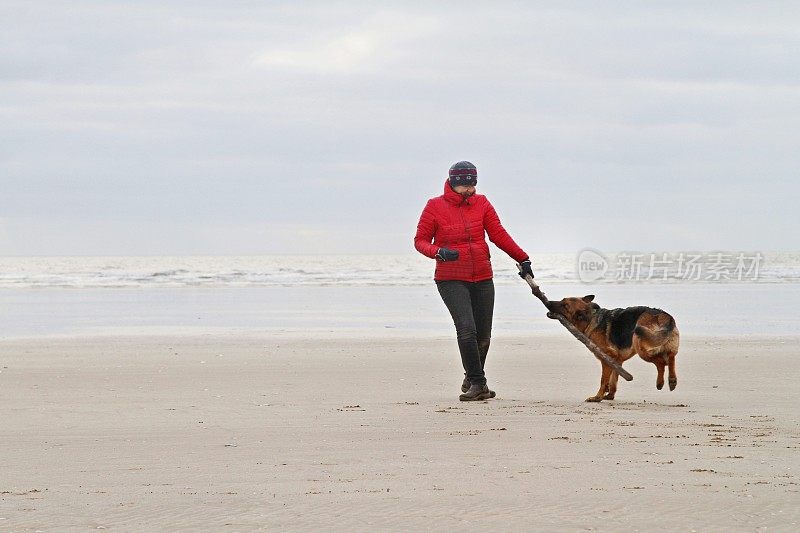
(225,432)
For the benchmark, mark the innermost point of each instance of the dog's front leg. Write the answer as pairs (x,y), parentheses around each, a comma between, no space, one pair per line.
(612,386)
(605,377)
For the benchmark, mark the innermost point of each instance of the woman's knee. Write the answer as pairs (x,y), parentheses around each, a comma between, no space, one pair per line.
(466,331)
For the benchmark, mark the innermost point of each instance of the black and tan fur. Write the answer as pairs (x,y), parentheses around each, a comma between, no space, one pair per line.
(622,333)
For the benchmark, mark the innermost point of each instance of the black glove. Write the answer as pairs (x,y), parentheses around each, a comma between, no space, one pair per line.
(446,254)
(525,269)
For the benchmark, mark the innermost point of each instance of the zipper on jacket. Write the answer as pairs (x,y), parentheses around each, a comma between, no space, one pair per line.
(469,238)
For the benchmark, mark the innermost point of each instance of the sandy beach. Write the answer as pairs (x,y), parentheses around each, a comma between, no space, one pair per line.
(275,431)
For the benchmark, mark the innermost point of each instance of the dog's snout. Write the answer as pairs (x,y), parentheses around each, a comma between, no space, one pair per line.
(554,308)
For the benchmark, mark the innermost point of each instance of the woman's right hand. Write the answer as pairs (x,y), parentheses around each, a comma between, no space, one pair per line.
(446,254)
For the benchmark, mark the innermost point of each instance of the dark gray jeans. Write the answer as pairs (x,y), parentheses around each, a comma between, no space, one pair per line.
(471,305)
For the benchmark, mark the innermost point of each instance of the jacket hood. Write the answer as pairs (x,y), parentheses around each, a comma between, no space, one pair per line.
(453,197)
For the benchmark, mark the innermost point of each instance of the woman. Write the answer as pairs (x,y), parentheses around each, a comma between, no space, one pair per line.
(452,230)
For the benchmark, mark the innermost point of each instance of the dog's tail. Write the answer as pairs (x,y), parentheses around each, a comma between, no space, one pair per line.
(658,328)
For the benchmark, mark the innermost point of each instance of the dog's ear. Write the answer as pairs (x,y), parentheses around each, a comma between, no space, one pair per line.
(588,298)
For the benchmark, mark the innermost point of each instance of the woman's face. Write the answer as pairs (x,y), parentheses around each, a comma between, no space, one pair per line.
(464,189)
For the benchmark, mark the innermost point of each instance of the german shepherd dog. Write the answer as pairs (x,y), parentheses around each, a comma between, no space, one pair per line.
(621,333)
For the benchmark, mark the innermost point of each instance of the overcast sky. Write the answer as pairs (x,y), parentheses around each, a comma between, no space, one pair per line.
(302,127)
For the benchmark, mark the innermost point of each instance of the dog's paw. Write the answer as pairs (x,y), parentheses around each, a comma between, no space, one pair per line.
(608,397)
(660,384)
(594,399)
(673,382)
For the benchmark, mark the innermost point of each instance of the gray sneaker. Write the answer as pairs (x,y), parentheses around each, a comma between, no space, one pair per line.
(465,387)
(476,393)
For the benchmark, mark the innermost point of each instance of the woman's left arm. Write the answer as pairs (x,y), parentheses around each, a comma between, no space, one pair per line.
(499,236)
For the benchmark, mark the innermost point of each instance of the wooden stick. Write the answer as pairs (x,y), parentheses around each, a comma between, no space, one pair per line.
(595,349)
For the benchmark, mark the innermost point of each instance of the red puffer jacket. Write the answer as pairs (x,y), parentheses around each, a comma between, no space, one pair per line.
(452,221)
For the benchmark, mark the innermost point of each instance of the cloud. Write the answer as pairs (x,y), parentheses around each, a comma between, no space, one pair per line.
(342,118)
(343,54)
(367,45)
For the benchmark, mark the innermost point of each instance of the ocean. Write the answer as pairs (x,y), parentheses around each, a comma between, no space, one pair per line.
(366,296)
(378,270)
(363,296)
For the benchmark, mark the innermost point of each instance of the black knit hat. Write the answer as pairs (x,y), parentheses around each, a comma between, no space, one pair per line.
(463,173)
